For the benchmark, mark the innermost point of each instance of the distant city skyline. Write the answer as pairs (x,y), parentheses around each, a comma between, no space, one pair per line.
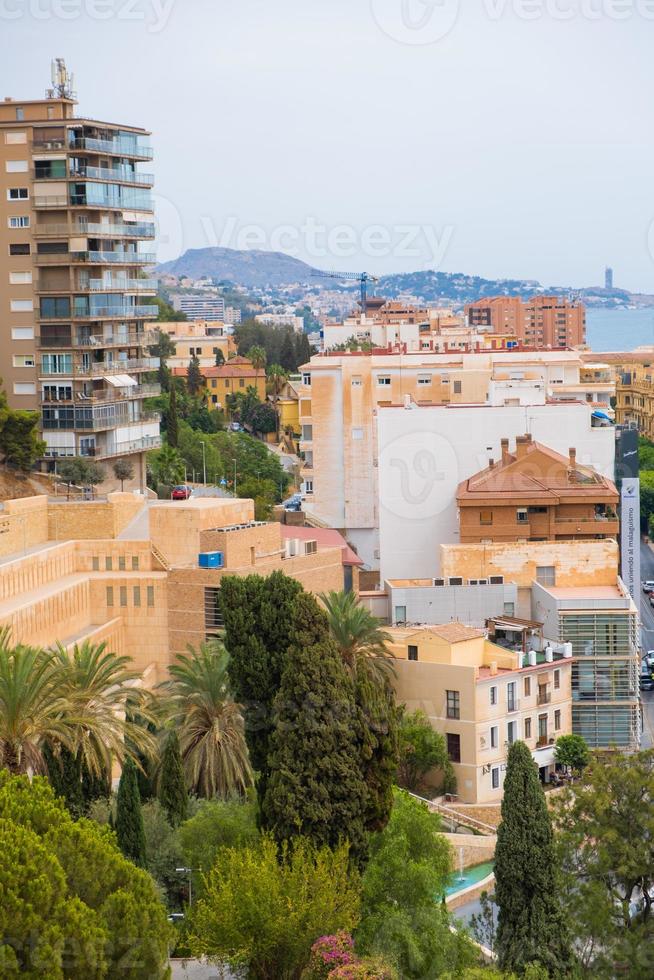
(496,143)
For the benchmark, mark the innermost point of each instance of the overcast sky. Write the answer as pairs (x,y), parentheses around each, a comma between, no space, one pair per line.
(503,138)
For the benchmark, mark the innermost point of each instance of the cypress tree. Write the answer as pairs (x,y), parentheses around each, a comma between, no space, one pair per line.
(172,431)
(129,818)
(378,739)
(258,617)
(194,379)
(316,787)
(172,787)
(531,925)
(64,775)
(95,786)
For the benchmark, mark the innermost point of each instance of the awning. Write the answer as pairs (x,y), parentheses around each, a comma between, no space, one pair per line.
(544,756)
(602,415)
(120,380)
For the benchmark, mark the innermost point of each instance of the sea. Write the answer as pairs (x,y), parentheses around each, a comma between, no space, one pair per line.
(619,330)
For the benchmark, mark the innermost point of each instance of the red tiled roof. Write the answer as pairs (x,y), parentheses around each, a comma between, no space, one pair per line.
(326,537)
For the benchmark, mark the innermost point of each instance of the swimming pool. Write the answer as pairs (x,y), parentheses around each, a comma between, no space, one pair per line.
(471,876)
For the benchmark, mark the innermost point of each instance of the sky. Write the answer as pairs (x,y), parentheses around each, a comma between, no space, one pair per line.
(500,138)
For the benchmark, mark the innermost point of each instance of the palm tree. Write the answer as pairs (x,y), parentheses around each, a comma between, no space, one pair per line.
(257,355)
(362,642)
(109,713)
(33,706)
(277,378)
(209,723)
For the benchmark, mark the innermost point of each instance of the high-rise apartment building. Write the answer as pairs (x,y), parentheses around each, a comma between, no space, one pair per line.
(608,277)
(200,308)
(73,292)
(542,321)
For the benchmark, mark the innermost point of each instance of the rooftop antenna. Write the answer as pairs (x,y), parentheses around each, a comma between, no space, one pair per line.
(63,82)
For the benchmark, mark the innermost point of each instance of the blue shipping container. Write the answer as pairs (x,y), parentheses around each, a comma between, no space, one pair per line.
(211,559)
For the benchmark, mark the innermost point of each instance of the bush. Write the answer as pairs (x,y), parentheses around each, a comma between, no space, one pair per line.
(327,953)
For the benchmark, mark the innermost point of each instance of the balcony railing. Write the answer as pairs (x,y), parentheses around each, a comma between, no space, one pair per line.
(95,230)
(114,312)
(125,285)
(110,340)
(126,258)
(144,444)
(132,393)
(123,148)
(99,424)
(118,174)
(101,368)
(513,704)
(56,201)
(544,697)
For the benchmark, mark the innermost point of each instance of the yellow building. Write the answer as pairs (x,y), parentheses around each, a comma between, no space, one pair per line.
(482,698)
(236,374)
(288,406)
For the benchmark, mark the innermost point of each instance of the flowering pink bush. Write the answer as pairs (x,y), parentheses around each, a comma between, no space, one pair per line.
(363,970)
(327,953)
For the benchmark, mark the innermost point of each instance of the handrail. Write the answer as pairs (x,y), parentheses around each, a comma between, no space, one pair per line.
(455,816)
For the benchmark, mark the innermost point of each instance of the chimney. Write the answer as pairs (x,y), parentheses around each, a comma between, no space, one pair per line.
(522,444)
(504,443)
(572,452)
(491,462)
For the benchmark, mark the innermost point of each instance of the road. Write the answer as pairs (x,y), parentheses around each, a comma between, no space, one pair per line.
(647,623)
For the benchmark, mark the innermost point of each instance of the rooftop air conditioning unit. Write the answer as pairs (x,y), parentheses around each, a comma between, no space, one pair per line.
(455,581)
(439,581)
(496,580)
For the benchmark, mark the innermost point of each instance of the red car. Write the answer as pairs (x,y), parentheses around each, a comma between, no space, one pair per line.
(181,492)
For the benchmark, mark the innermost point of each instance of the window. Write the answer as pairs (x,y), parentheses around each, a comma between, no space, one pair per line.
(137,595)
(49,168)
(527,727)
(521,515)
(241,382)
(306,434)
(557,680)
(110,595)
(52,248)
(453,704)
(357,434)
(384,380)
(453,746)
(357,381)
(18,248)
(457,387)
(20,113)
(135,563)
(24,360)
(20,278)
(546,574)
(527,687)
(18,194)
(57,363)
(494,736)
(213,616)
(19,221)
(542,729)
(485,516)
(121,563)
(21,305)
(306,378)
(511,700)
(511,732)
(22,333)
(123,595)
(493,695)
(150,595)
(413,652)
(557,720)
(108,564)
(55,307)
(400,614)
(16,166)
(95,563)
(495,777)
(308,486)
(424,379)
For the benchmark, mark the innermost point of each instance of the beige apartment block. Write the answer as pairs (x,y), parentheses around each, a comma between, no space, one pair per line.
(74,210)
(343,395)
(203,339)
(482,697)
(66,576)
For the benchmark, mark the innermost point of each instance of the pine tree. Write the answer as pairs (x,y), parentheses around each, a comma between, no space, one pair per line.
(172,787)
(194,379)
(172,433)
(258,616)
(129,818)
(316,787)
(531,927)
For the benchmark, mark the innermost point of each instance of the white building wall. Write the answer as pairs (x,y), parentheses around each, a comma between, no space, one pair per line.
(424,453)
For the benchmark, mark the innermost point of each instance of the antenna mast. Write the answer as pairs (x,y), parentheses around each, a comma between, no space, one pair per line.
(63,85)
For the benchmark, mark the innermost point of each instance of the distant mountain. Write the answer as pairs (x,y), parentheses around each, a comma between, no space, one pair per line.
(432,286)
(252,268)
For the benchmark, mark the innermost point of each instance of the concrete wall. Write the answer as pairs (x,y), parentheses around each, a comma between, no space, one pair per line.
(23,524)
(470,604)
(424,454)
(577,563)
(175,527)
(92,518)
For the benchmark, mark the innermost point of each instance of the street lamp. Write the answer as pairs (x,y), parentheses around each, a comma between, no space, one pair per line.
(189,872)
(204,462)
(234,476)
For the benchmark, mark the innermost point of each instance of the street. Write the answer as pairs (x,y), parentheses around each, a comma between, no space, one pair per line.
(647,624)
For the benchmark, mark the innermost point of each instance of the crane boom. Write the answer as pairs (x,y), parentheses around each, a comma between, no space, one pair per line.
(363,278)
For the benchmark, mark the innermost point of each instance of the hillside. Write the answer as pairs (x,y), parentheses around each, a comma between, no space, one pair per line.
(252,268)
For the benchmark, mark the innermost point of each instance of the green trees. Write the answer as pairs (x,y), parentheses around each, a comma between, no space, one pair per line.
(282,344)
(129,819)
(166,466)
(263,907)
(79,471)
(209,723)
(362,642)
(421,750)
(123,470)
(277,377)
(172,788)
(258,357)
(572,751)
(218,823)
(172,432)
(72,907)
(164,346)
(410,862)
(316,787)
(605,844)
(194,379)
(531,925)
(20,443)
(258,615)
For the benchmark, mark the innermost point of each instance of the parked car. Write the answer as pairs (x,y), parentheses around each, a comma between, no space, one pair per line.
(237,427)
(651,598)
(646,680)
(294,502)
(648,587)
(181,492)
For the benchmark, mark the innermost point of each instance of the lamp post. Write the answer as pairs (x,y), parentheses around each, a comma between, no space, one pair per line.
(204,462)
(234,476)
(189,872)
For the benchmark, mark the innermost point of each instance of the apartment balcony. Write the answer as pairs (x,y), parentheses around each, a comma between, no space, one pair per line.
(123,286)
(114,147)
(95,230)
(118,256)
(47,202)
(100,369)
(104,313)
(65,341)
(513,705)
(109,395)
(111,203)
(99,423)
(118,175)
(608,526)
(544,697)
(141,445)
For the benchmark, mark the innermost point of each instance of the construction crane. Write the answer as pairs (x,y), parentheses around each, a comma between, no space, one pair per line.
(363,278)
